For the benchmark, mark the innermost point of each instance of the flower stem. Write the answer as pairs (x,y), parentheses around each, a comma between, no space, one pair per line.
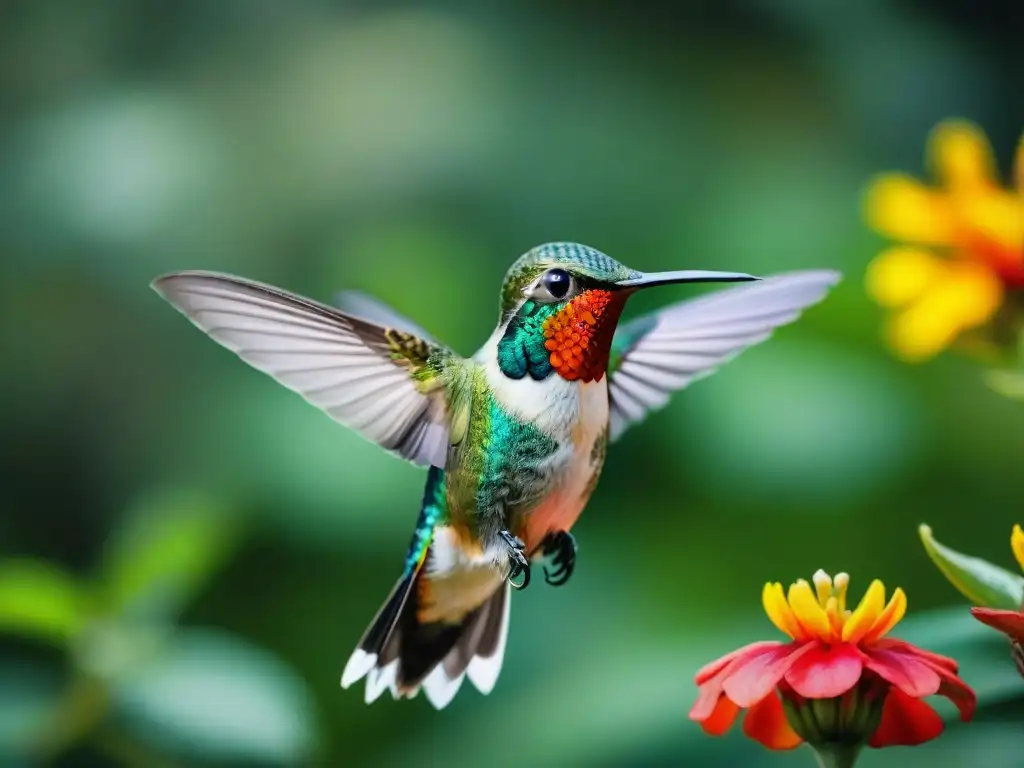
(832,755)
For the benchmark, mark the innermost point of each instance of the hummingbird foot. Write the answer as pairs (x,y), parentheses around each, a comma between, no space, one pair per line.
(560,547)
(519,565)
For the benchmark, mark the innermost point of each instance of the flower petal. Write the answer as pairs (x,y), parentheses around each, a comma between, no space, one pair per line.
(965,297)
(906,721)
(902,274)
(952,687)
(826,672)
(905,209)
(710,678)
(808,611)
(992,227)
(713,668)
(904,670)
(779,612)
(960,155)
(721,718)
(865,615)
(1010,623)
(889,618)
(753,678)
(766,722)
(1017,537)
(961,694)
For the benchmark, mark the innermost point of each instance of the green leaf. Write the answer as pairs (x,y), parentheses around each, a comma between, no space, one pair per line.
(215,696)
(1006,383)
(167,550)
(980,581)
(40,601)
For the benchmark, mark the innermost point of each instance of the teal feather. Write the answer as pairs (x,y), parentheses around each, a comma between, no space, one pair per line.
(521,350)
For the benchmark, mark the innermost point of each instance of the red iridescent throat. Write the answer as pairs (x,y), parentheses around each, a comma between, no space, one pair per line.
(579,337)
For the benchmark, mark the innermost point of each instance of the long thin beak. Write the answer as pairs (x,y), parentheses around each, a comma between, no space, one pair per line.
(685,276)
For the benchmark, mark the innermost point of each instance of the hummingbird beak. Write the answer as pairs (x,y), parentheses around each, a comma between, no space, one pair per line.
(651,279)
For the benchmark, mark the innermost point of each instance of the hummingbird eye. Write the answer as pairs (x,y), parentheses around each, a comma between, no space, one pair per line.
(558,283)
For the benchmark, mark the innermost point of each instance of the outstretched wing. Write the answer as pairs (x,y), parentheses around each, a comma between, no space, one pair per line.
(373,309)
(663,352)
(385,383)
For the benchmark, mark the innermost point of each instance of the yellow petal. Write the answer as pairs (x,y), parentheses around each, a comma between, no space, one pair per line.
(779,612)
(822,586)
(841,583)
(960,155)
(865,615)
(901,274)
(1017,544)
(808,611)
(904,209)
(889,618)
(965,297)
(993,216)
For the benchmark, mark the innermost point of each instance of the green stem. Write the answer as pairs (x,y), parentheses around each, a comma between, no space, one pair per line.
(836,755)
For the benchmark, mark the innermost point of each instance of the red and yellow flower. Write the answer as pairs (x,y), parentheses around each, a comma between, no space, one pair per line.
(839,678)
(961,243)
(1010,623)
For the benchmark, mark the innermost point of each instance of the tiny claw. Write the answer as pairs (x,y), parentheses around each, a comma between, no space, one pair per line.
(562,546)
(519,565)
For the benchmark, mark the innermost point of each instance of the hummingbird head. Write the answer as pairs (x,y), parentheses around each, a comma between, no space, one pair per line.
(561,302)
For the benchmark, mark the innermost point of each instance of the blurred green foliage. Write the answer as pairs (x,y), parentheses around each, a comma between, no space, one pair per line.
(412,150)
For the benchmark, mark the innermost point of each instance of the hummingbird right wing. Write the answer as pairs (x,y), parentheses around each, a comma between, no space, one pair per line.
(665,351)
(387,384)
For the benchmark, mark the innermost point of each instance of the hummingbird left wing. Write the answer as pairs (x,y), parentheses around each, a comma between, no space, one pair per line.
(376,311)
(665,351)
(387,384)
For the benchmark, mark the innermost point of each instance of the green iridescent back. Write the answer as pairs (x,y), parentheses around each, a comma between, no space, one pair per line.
(581,259)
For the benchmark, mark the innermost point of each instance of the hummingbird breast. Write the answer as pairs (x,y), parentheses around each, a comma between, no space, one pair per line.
(537,448)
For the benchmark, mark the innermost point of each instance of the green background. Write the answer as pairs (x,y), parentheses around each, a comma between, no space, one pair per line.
(237,542)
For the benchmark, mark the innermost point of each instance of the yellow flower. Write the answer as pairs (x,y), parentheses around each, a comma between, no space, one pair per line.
(1017,544)
(962,242)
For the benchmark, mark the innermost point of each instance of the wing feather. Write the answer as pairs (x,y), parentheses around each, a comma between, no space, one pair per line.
(383,381)
(666,351)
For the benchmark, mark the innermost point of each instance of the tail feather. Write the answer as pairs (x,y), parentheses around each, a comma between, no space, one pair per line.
(403,655)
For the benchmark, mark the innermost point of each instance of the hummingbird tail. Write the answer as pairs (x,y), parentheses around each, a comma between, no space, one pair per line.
(401,653)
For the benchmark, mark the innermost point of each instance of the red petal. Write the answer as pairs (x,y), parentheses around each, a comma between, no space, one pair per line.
(961,694)
(952,687)
(766,722)
(904,669)
(721,718)
(943,662)
(906,722)
(753,677)
(708,671)
(711,677)
(826,672)
(1008,622)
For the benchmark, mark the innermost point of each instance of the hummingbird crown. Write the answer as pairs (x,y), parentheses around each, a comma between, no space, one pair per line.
(575,258)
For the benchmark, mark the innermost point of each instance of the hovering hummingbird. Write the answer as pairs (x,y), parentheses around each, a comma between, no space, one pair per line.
(514,438)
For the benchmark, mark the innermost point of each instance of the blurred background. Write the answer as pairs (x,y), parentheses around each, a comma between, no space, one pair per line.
(190,552)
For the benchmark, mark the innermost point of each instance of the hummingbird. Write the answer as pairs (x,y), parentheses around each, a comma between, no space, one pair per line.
(513,439)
